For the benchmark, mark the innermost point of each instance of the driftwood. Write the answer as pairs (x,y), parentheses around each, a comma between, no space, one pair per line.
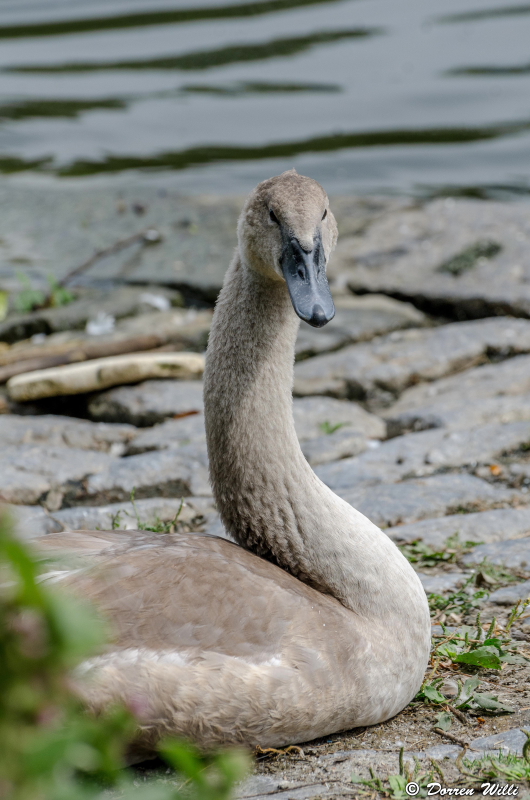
(101,373)
(30,359)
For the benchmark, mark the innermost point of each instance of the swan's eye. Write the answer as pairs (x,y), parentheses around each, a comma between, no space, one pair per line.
(273,217)
(324,215)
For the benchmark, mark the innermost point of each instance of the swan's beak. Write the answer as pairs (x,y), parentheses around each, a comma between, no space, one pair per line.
(305,275)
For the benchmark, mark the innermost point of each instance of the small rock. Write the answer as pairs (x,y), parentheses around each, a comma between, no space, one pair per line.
(512,554)
(511,741)
(509,595)
(438,584)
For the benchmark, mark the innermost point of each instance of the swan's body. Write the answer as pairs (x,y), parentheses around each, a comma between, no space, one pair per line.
(211,641)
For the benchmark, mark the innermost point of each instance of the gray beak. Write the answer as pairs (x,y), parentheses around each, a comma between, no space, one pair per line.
(305,274)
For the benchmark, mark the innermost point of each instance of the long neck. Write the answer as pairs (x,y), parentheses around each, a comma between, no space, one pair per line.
(268,496)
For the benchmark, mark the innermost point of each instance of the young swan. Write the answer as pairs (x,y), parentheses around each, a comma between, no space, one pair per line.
(315,624)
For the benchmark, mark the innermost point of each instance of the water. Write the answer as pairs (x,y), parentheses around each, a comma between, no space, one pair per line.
(413,96)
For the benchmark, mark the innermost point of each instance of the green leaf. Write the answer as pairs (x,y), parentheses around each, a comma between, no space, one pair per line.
(513,658)
(444,720)
(489,703)
(431,693)
(493,642)
(481,657)
(397,784)
(4,302)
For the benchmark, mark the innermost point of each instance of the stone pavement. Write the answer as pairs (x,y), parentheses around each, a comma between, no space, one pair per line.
(413,404)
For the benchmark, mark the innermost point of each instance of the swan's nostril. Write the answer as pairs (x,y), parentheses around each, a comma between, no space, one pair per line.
(301,274)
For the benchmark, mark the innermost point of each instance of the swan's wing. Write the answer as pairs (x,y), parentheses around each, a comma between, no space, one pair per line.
(211,641)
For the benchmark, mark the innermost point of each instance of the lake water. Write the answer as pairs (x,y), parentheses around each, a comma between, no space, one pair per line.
(414,96)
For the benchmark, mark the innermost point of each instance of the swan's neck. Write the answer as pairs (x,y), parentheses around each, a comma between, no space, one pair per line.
(269,498)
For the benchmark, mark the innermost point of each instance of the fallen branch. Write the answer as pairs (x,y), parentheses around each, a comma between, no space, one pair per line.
(149,236)
(451,737)
(101,373)
(82,351)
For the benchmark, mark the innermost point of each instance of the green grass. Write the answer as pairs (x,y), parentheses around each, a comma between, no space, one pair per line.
(50,748)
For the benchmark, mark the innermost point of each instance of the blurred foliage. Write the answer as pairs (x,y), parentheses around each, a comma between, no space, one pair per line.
(50,748)
(29,299)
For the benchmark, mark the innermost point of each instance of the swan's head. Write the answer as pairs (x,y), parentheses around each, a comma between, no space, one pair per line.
(287,232)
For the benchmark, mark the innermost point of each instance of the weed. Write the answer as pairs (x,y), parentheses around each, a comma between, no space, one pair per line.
(417,552)
(50,748)
(59,295)
(328,427)
(505,767)
(462,601)
(395,785)
(158,526)
(28,298)
(467,258)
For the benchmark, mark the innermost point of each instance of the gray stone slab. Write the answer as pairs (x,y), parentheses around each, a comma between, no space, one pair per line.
(409,501)
(426,452)
(147,403)
(163,473)
(313,415)
(357,319)
(171,434)
(402,254)
(123,516)
(515,553)
(509,595)
(486,526)
(64,432)
(511,741)
(445,582)
(119,302)
(57,227)
(187,327)
(32,521)
(30,473)
(490,393)
(333,446)
(381,369)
